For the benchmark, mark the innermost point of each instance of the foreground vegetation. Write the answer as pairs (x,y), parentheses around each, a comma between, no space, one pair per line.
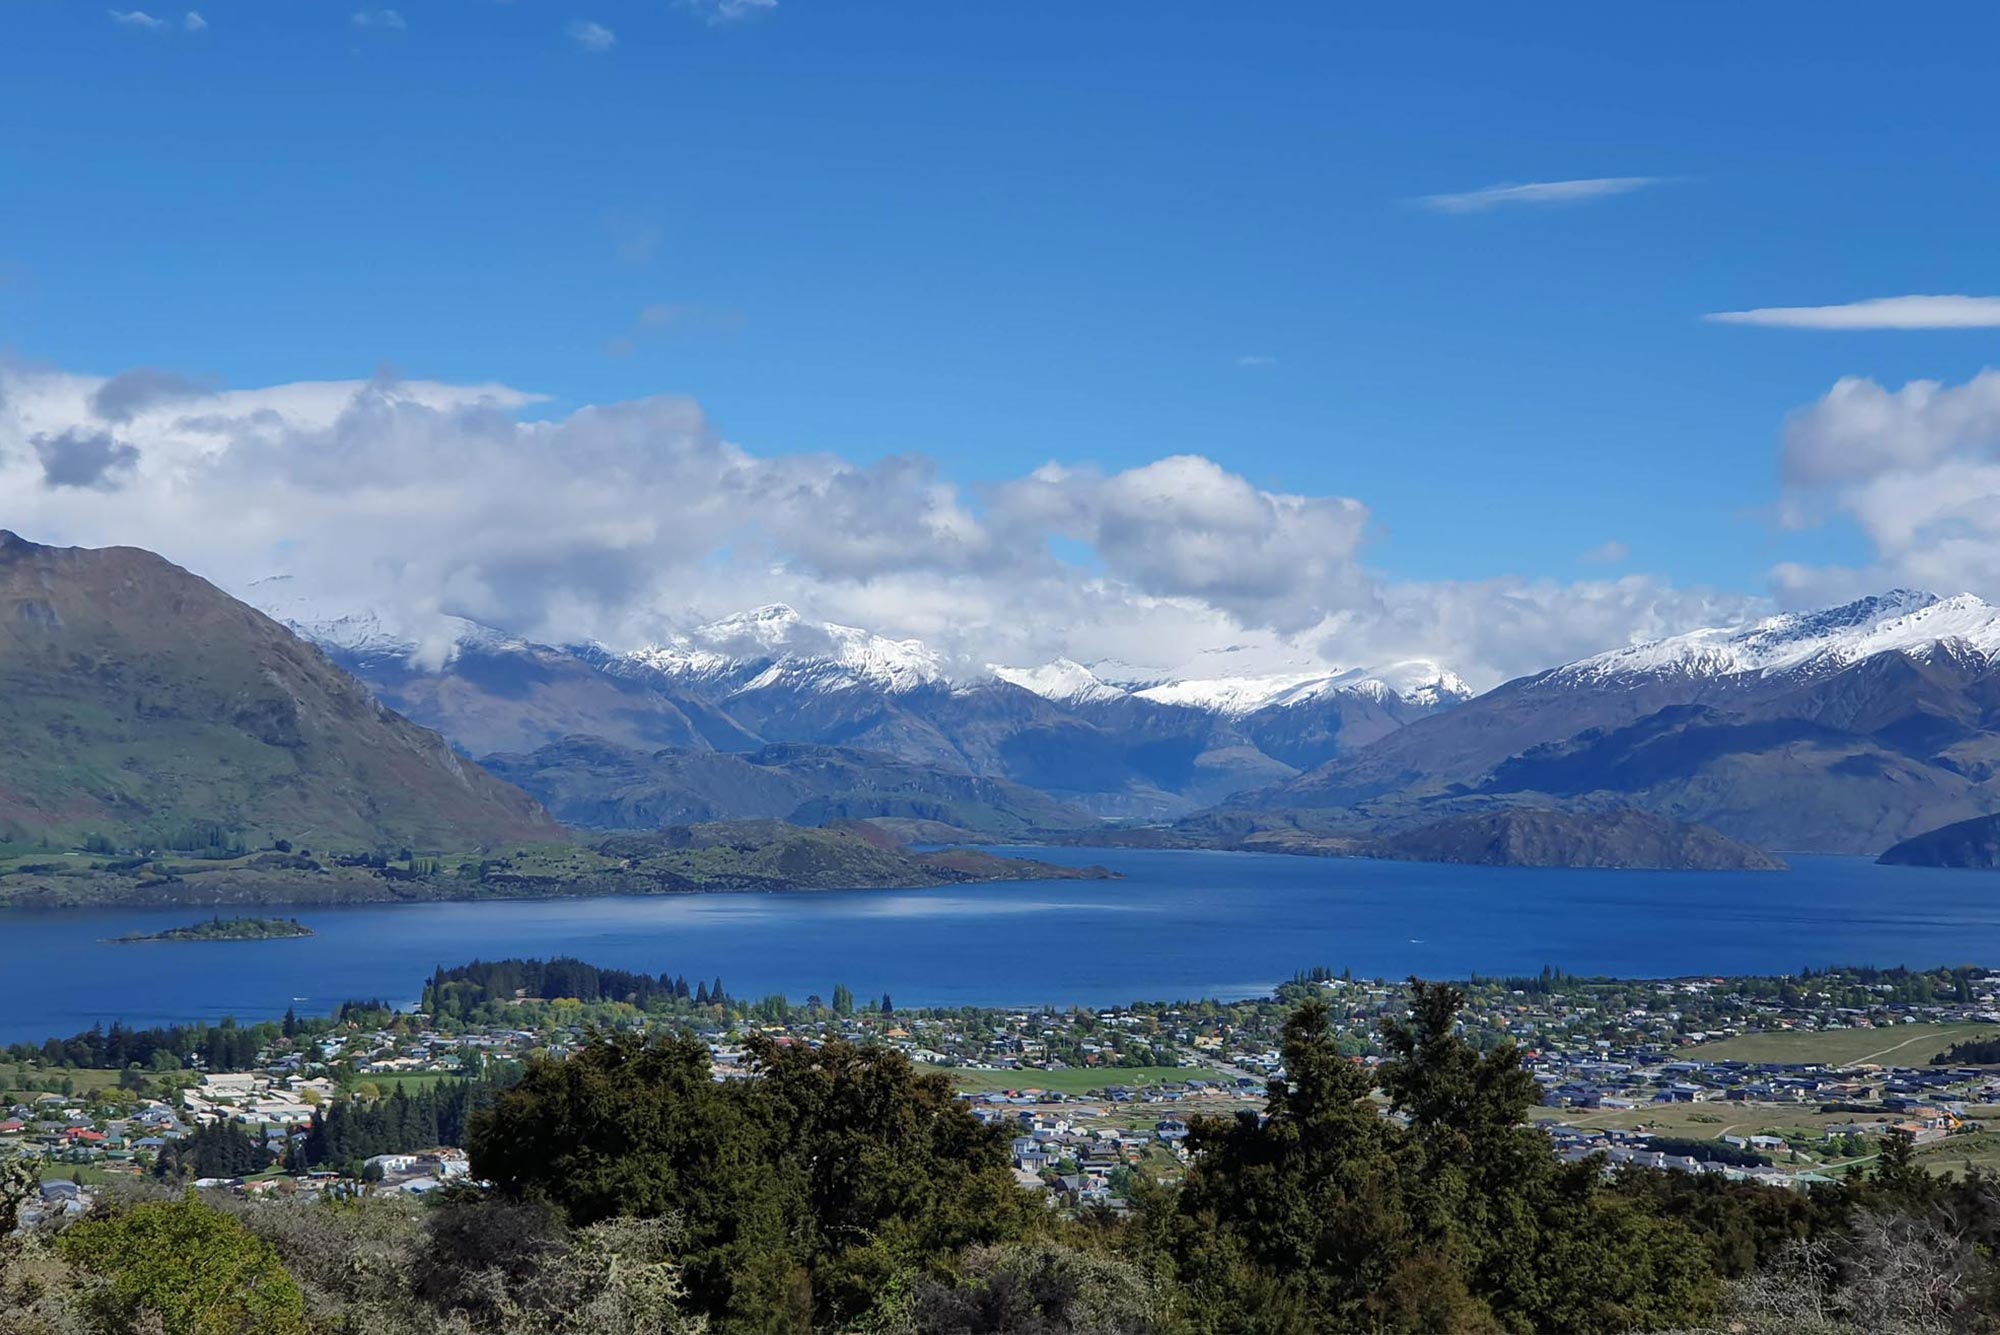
(840,1188)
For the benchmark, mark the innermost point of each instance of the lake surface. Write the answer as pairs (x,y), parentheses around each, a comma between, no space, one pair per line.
(1180,925)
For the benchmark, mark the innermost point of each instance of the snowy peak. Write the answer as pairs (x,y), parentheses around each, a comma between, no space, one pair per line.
(775,646)
(1063,681)
(344,629)
(1809,642)
(1415,681)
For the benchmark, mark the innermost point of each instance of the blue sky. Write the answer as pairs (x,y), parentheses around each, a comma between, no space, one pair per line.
(996,235)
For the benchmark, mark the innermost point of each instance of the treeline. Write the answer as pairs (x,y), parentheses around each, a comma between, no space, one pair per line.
(352,1131)
(1970,1052)
(219,1149)
(226,1046)
(1708,1151)
(459,992)
(223,1047)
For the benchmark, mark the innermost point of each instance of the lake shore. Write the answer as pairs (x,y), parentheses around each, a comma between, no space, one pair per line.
(1185,924)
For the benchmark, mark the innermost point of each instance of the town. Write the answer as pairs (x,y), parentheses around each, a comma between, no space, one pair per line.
(1788,1081)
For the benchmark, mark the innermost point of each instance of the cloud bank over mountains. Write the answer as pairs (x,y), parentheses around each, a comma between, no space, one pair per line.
(625,522)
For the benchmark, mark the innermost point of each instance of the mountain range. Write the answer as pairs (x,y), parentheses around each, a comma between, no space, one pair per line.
(137,700)
(1149,750)
(1841,730)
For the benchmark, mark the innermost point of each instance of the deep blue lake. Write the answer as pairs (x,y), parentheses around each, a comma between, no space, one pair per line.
(1179,925)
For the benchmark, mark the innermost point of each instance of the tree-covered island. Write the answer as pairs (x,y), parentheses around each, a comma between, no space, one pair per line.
(220,928)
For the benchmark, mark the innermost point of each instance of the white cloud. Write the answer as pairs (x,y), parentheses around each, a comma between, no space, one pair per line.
(1539,192)
(1951,312)
(1915,470)
(1185,527)
(1859,430)
(194,22)
(379,18)
(1255,359)
(729,11)
(626,521)
(136,18)
(592,37)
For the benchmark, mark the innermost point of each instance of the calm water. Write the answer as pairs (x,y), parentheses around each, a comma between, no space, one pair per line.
(1180,925)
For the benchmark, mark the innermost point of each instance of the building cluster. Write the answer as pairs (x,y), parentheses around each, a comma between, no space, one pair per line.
(1087,1097)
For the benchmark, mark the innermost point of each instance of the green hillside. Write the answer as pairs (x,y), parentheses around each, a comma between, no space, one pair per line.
(142,707)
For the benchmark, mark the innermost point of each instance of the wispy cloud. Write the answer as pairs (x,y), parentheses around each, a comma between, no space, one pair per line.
(1253,359)
(681,317)
(1878,313)
(1606,554)
(729,11)
(194,22)
(379,18)
(136,18)
(592,37)
(1539,192)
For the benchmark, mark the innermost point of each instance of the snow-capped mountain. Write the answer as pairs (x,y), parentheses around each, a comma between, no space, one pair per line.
(364,631)
(1063,681)
(1804,642)
(772,676)
(774,646)
(1416,681)
(1840,730)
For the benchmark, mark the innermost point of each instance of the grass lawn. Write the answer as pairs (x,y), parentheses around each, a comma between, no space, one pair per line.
(92,1175)
(969,1081)
(410,1082)
(1705,1121)
(83,1080)
(1896,1045)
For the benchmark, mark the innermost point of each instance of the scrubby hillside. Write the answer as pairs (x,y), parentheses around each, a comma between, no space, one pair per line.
(141,705)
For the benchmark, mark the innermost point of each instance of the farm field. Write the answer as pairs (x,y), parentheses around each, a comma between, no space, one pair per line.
(1705,1121)
(1899,1045)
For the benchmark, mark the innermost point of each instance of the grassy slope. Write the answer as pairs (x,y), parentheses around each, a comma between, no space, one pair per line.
(136,698)
(1900,1045)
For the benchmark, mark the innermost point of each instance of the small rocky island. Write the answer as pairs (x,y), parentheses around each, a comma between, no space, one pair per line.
(226,929)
